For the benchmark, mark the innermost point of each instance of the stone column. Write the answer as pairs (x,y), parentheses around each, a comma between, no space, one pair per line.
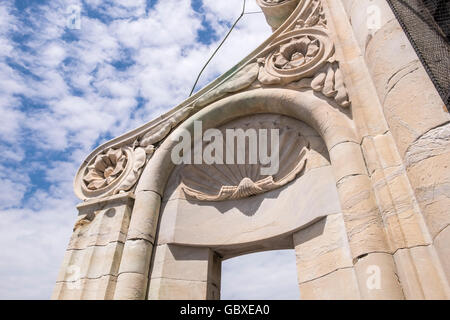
(132,282)
(363,223)
(324,262)
(394,104)
(185,273)
(91,263)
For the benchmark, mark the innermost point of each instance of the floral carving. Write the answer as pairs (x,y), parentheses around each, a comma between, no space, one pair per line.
(274,2)
(106,168)
(313,15)
(296,53)
(118,168)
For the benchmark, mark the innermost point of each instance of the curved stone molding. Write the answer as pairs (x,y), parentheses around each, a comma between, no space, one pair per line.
(302,54)
(299,56)
(311,15)
(277,11)
(117,168)
(303,57)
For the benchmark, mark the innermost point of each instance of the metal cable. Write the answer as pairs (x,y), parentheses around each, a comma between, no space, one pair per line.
(220,45)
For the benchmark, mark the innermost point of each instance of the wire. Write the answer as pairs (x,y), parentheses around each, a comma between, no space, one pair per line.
(220,45)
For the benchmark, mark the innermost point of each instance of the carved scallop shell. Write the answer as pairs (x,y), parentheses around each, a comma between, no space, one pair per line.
(218,182)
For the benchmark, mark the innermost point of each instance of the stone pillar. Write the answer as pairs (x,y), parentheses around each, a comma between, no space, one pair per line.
(324,262)
(91,263)
(132,282)
(394,105)
(363,222)
(185,273)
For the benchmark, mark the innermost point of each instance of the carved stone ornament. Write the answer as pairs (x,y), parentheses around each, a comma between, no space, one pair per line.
(105,169)
(247,187)
(276,11)
(273,2)
(229,181)
(303,56)
(118,168)
(300,56)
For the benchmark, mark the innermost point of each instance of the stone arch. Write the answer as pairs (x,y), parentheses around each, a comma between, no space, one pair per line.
(330,123)
(349,172)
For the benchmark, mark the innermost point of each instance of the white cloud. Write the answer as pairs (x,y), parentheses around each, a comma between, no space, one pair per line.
(260,276)
(83,97)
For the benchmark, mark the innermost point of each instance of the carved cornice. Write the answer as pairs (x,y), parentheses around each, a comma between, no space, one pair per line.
(302,55)
(277,11)
(299,55)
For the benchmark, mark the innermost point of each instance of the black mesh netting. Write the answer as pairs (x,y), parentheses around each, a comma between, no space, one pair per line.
(427,25)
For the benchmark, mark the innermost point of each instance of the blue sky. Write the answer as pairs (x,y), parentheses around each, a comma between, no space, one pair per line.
(65,91)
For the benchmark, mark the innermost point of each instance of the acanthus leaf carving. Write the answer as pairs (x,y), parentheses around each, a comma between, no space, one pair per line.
(117,169)
(312,15)
(140,158)
(304,58)
(106,168)
(303,53)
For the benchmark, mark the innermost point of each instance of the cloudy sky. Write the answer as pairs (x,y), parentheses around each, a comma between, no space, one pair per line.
(64,91)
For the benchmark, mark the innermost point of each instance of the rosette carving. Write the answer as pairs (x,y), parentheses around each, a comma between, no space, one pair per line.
(112,171)
(302,56)
(296,53)
(106,168)
(118,168)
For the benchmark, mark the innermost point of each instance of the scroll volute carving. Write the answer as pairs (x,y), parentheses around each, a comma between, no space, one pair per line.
(117,168)
(277,11)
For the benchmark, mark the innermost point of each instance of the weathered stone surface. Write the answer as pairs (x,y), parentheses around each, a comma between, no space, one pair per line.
(143,225)
(367,17)
(91,262)
(362,218)
(371,193)
(421,274)
(239,222)
(410,102)
(442,245)
(380,152)
(434,143)
(136,259)
(174,289)
(377,277)
(428,170)
(179,262)
(86,289)
(108,222)
(338,285)
(132,286)
(322,248)
(347,160)
(178,268)
(404,223)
